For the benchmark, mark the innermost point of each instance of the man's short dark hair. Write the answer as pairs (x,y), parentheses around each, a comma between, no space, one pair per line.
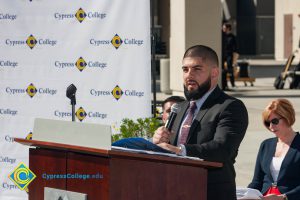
(205,52)
(175,99)
(228,25)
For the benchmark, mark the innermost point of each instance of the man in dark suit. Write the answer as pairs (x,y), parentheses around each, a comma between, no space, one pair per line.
(229,54)
(210,124)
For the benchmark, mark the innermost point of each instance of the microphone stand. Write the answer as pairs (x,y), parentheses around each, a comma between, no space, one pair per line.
(73,103)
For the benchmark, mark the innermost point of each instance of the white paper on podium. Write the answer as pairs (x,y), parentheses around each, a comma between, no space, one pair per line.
(248,193)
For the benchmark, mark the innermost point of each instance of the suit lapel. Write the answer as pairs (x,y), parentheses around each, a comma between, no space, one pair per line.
(196,121)
(269,157)
(289,157)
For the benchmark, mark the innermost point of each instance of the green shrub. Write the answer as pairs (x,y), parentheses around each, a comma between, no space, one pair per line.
(142,127)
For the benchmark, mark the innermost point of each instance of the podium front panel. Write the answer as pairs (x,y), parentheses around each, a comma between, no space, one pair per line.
(44,163)
(91,175)
(147,180)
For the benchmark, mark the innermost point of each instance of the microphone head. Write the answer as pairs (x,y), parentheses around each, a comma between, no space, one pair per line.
(71,90)
(175,108)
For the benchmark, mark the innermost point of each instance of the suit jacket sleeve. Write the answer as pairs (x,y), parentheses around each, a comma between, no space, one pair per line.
(293,194)
(257,181)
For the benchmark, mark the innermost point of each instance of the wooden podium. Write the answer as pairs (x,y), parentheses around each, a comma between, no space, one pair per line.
(120,175)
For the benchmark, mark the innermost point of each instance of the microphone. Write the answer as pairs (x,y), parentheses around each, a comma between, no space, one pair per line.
(70,93)
(174,110)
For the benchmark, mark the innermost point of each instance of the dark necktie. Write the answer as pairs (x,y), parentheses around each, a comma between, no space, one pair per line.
(187,123)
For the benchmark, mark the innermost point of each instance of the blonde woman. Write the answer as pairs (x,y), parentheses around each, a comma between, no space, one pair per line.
(277,170)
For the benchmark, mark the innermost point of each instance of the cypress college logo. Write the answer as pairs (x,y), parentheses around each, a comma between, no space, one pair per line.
(8,64)
(29,136)
(8,16)
(31,91)
(8,111)
(80,64)
(117,93)
(22,176)
(80,15)
(80,114)
(31,41)
(117,41)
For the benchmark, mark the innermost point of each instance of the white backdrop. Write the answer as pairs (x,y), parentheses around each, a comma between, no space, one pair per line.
(102,47)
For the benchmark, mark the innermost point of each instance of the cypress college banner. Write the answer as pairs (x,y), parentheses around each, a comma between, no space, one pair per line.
(102,47)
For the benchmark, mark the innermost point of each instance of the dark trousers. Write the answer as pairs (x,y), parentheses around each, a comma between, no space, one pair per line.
(230,70)
(227,70)
(224,79)
(221,191)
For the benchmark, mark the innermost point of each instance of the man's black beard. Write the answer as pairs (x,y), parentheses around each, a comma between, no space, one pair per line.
(198,93)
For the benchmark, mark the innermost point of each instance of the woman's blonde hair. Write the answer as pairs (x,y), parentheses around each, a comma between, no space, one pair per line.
(281,107)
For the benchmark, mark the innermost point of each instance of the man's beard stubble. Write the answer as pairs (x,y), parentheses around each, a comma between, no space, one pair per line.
(199,92)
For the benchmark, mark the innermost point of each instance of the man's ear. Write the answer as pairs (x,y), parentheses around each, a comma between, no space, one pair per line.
(215,72)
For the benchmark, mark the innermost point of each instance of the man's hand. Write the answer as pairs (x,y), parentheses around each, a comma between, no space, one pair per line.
(170,147)
(162,134)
